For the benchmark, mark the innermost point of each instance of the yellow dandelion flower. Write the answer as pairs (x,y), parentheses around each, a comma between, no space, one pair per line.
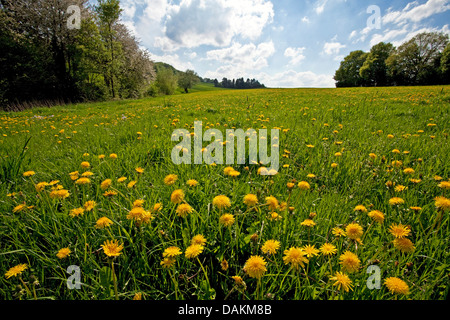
(444,185)
(295,256)
(113,156)
(376,215)
(85,164)
(404,245)
(83,180)
(342,281)
(328,249)
(354,231)
(106,184)
(76,212)
(139,170)
(89,205)
(16,270)
(198,239)
(255,267)
(415,208)
(290,185)
(221,202)
(308,223)
(59,194)
(170,179)
(192,183)
(238,280)
(121,179)
(349,261)
(396,201)
(227,170)
(63,253)
(334,165)
(272,202)
(226,220)
(311,176)
(184,209)
(109,193)
(250,200)
(135,213)
(157,207)
(442,203)
(310,251)
(138,296)
(408,171)
(270,246)
(177,196)
(303,185)
(101,156)
(40,186)
(87,174)
(172,252)
(396,285)
(235,173)
(400,188)
(138,203)
(29,173)
(167,262)
(224,265)
(103,222)
(193,251)
(131,184)
(360,208)
(399,230)
(112,248)
(373,156)
(19,208)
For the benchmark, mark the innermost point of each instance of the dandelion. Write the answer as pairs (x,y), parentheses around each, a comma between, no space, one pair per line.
(136,213)
(310,251)
(109,193)
(76,212)
(74,175)
(224,265)
(328,249)
(442,203)
(63,253)
(103,222)
(399,230)
(415,208)
(311,176)
(235,173)
(113,156)
(221,202)
(157,207)
(167,262)
(139,170)
(250,200)
(226,220)
(263,171)
(270,246)
(106,184)
(274,216)
(59,194)
(85,164)
(138,296)
(354,231)
(342,281)
(303,185)
(29,173)
(334,165)
(338,232)
(308,223)
(415,180)
(87,174)
(101,157)
(227,170)
(399,188)
(83,180)
(444,185)
(138,203)
(408,171)
(192,183)
(255,267)
(19,208)
(16,270)
(112,248)
(396,201)
(360,208)
(295,256)
(177,196)
(193,251)
(373,156)
(184,209)
(121,179)
(404,245)
(349,261)
(172,252)
(170,179)
(198,239)
(40,186)
(396,285)
(376,216)
(272,202)
(131,184)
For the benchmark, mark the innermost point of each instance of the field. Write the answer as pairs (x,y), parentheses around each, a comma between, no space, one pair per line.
(358,210)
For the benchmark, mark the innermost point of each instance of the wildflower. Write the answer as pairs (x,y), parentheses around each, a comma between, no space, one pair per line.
(396,285)
(437,178)
(221,202)
(334,165)
(76,212)
(74,175)
(131,184)
(404,245)
(184,209)
(29,173)
(172,252)
(442,203)
(198,239)
(113,156)
(138,203)
(311,176)
(136,213)
(250,200)
(444,185)
(310,251)
(59,194)
(87,174)
(157,207)
(415,180)
(226,220)
(85,164)
(408,171)
(272,202)
(103,222)
(373,156)
(224,265)
(138,296)
(295,256)
(139,170)
(109,193)
(83,180)
(19,208)
(112,248)
(177,196)
(15,271)
(255,267)
(106,184)
(121,179)
(237,280)
(396,201)
(377,216)
(227,170)
(63,253)
(192,183)
(40,186)
(236,173)
(170,179)
(342,281)
(328,249)
(263,171)
(360,208)
(399,230)
(101,157)
(167,262)
(270,246)
(193,251)
(303,185)
(396,151)
(349,261)
(308,223)
(354,231)
(415,208)
(399,188)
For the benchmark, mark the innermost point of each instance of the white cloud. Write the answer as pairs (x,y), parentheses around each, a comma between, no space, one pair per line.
(305,19)
(296,54)
(294,79)
(415,13)
(399,36)
(174,60)
(331,48)
(320,7)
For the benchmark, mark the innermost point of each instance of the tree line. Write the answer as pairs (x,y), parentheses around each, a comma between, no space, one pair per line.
(239,83)
(423,60)
(43,59)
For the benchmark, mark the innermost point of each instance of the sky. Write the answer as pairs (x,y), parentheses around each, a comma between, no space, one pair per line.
(281,43)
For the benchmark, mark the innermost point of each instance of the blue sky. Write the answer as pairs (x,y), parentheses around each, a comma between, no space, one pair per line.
(282,43)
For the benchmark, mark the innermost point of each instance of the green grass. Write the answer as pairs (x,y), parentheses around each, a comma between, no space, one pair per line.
(355,122)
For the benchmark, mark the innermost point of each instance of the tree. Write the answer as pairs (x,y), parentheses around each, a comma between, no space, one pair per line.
(188,79)
(445,64)
(414,62)
(348,73)
(166,81)
(374,70)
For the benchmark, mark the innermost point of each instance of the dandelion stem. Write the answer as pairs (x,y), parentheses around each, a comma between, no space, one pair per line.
(114,280)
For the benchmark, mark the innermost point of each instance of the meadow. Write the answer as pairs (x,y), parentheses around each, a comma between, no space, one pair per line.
(358,210)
